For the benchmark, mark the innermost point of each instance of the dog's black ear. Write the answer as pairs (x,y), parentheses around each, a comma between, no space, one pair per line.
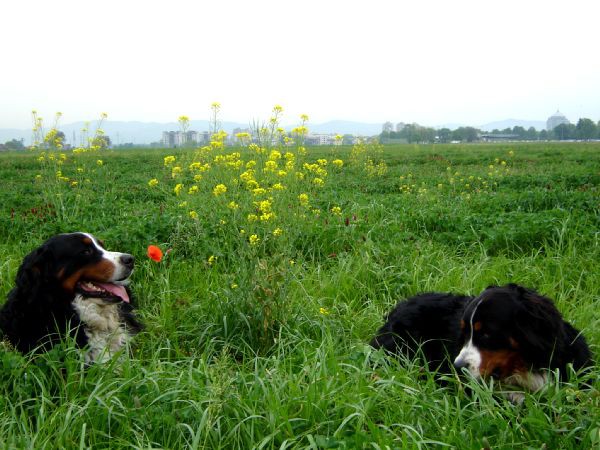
(538,325)
(35,269)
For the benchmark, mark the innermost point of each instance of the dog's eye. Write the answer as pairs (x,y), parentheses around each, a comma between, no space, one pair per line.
(87,252)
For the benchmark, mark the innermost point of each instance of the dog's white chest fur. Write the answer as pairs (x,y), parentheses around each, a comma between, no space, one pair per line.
(103,327)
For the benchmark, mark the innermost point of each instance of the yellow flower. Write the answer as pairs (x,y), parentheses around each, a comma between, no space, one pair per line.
(277,232)
(176,171)
(178,188)
(270,166)
(153,182)
(337,163)
(233,205)
(292,262)
(219,189)
(211,260)
(253,239)
(336,210)
(234,286)
(168,160)
(99,162)
(303,199)
(197,177)
(193,214)
(264,206)
(38,177)
(265,217)
(323,311)
(274,155)
(252,217)
(318,182)
(193,189)
(183,204)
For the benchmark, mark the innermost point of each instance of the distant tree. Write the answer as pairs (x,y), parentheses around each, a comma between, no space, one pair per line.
(444,135)
(531,134)
(101,141)
(543,135)
(519,131)
(13,144)
(564,131)
(507,131)
(347,139)
(465,134)
(586,129)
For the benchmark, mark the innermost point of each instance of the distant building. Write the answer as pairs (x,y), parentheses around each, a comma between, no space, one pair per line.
(555,120)
(178,138)
(168,138)
(320,139)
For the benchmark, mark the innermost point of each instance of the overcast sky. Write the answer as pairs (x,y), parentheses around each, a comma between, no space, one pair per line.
(431,62)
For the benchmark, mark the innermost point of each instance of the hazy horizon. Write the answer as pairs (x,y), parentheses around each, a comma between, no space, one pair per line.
(432,63)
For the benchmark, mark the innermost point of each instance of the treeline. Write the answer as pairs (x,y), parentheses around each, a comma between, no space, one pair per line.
(586,129)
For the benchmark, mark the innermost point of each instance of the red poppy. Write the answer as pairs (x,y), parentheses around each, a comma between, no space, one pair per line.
(155,253)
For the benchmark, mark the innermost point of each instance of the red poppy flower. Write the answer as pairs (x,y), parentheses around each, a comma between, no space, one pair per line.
(155,253)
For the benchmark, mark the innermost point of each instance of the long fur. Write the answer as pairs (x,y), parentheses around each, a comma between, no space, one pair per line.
(44,307)
(509,332)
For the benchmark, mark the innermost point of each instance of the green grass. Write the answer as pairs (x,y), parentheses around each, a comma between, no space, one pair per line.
(266,347)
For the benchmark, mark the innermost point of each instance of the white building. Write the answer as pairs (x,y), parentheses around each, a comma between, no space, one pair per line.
(555,120)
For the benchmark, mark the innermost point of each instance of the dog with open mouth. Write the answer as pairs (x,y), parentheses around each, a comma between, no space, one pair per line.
(72,285)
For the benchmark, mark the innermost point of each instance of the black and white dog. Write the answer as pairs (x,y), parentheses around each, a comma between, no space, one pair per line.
(71,284)
(509,333)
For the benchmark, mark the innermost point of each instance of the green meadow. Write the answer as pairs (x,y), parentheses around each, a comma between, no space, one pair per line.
(279,264)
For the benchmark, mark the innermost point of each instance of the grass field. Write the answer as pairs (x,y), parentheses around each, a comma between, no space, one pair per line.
(278,269)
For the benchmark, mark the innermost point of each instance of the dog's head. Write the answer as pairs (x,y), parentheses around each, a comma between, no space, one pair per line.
(77,263)
(507,331)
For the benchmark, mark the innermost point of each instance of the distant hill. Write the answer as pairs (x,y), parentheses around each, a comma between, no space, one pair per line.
(346,127)
(510,123)
(147,132)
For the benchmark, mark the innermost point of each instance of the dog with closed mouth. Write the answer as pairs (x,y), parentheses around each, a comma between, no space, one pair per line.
(71,285)
(510,333)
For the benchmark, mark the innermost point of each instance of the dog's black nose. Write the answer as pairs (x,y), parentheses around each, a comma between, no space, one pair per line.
(127,260)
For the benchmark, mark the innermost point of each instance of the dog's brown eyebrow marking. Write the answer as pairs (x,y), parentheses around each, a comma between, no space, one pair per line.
(87,240)
(462,324)
(477,326)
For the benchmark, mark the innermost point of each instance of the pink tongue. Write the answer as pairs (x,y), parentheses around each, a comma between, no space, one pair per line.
(115,289)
